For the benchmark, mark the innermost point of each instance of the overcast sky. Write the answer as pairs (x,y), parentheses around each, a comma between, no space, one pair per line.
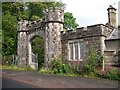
(90,12)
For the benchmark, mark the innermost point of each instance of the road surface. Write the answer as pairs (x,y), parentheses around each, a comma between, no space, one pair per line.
(31,79)
(9,83)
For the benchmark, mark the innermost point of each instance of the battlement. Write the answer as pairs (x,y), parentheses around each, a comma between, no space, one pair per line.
(92,30)
(25,25)
(22,25)
(54,9)
(54,15)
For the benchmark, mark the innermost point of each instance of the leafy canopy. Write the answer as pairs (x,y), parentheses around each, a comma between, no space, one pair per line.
(69,21)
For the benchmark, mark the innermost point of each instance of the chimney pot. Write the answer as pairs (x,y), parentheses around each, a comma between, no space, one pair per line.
(112,16)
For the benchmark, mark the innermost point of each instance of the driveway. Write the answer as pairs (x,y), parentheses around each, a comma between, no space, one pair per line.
(34,78)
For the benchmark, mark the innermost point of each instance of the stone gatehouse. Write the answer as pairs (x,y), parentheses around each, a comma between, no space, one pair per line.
(69,45)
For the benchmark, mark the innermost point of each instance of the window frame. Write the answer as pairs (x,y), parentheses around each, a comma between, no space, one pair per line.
(78,41)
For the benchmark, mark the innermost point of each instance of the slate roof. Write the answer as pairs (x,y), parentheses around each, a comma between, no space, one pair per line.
(114,35)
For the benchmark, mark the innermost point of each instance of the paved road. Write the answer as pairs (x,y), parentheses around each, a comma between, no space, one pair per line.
(9,83)
(32,78)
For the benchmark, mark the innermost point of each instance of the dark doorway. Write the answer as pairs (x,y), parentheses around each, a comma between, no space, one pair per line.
(37,44)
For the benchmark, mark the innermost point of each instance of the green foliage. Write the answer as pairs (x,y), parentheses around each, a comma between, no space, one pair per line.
(7,60)
(58,67)
(88,69)
(92,63)
(0,43)
(37,8)
(12,67)
(113,74)
(92,57)
(9,26)
(38,48)
(11,11)
(69,21)
(45,71)
(14,8)
(35,18)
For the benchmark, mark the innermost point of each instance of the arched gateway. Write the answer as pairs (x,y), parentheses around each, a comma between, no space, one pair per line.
(75,43)
(49,29)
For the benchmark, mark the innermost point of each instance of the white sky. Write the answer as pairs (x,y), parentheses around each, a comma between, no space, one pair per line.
(90,12)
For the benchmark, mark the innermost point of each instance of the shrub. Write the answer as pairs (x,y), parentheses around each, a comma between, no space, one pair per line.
(59,67)
(93,58)
(113,74)
(7,60)
(93,61)
(87,69)
(46,71)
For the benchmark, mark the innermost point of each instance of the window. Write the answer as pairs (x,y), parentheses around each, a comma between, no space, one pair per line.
(76,50)
(81,50)
(71,50)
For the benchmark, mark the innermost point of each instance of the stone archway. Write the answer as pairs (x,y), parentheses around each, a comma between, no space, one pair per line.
(31,35)
(49,28)
(38,50)
(25,35)
(35,57)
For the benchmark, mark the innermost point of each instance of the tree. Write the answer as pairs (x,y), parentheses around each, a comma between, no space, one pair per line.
(11,12)
(9,26)
(69,21)
(36,9)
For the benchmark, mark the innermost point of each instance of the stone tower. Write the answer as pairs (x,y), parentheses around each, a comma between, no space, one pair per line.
(112,16)
(53,26)
(22,43)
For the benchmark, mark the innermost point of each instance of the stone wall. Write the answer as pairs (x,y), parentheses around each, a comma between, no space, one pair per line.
(92,36)
(112,51)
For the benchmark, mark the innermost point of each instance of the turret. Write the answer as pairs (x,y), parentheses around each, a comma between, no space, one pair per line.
(53,26)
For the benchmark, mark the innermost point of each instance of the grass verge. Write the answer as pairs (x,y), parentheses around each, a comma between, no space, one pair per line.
(13,67)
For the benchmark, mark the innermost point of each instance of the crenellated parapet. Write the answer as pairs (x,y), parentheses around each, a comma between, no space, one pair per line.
(22,25)
(28,26)
(54,15)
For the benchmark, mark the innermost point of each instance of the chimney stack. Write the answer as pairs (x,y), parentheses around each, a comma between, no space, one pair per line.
(112,16)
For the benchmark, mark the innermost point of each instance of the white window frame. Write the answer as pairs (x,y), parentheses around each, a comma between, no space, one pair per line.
(74,41)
